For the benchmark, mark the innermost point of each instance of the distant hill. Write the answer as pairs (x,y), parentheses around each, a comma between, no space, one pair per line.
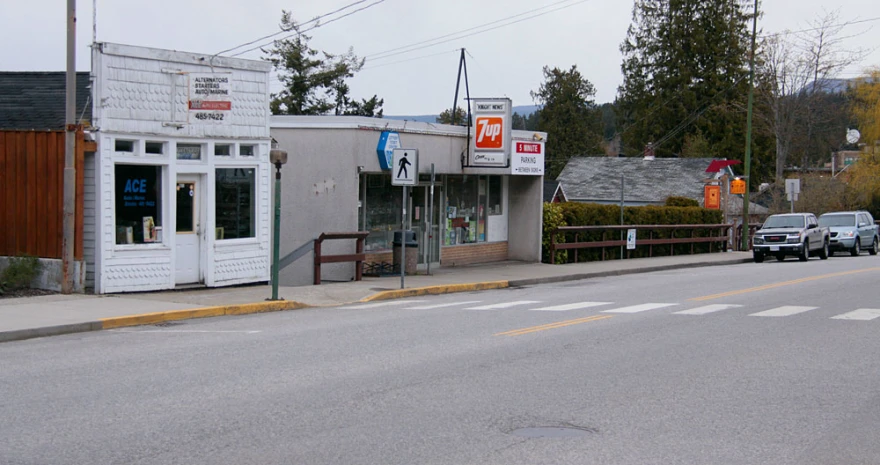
(523,110)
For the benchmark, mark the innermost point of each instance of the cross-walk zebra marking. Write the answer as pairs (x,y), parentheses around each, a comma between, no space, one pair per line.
(574,306)
(453,304)
(707,309)
(785,310)
(863,314)
(638,308)
(505,305)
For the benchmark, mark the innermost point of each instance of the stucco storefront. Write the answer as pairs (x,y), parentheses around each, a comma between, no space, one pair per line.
(336,181)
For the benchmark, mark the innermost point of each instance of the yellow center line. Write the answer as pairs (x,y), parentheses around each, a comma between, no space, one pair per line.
(560,324)
(781,284)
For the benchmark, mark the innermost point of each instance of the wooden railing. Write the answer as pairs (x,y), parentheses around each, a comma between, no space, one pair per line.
(357,257)
(718,234)
(737,236)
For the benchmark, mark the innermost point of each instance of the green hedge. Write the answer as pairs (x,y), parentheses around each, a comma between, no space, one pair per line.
(590,214)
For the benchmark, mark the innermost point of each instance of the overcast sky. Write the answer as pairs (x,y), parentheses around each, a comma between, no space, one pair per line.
(506,61)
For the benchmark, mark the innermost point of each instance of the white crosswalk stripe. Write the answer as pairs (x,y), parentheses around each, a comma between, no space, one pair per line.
(505,305)
(453,304)
(383,304)
(574,306)
(785,310)
(863,314)
(638,308)
(707,309)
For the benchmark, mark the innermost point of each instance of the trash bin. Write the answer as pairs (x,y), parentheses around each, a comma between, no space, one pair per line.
(412,251)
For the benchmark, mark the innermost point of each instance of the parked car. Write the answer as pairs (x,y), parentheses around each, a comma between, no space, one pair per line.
(852,231)
(796,234)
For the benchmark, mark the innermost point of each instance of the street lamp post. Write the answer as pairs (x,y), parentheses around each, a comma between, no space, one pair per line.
(278,158)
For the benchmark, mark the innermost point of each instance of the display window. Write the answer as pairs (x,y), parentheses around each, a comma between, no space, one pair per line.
(235,207)
(138,199)
(380,211)
(465,209)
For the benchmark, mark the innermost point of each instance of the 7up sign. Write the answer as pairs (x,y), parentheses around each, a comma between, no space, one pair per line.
(491,132)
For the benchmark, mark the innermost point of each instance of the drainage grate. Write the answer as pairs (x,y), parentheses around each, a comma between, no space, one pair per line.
(554,432)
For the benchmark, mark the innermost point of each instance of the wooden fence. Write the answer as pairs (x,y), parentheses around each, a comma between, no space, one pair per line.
(32,192)
(577,240)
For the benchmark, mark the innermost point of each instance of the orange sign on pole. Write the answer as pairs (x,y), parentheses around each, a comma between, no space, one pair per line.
(738,186)
(712,195)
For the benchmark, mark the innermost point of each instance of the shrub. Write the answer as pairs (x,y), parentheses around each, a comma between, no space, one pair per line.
(590,214)
(552,219)
(681,202)
(19,273)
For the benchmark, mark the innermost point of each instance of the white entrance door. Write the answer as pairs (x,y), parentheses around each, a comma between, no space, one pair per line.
(189,231)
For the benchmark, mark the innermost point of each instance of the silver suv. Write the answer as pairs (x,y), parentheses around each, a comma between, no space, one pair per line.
(851,231)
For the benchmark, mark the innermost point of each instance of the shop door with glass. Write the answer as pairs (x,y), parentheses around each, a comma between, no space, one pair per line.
(188,231)
(419,211)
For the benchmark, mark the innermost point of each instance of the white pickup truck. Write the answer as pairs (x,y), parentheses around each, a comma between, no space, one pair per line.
(797,234)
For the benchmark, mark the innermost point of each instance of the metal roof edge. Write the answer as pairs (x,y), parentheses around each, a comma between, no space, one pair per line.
(202,59)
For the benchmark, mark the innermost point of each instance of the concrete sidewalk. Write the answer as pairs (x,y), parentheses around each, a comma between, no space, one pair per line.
(28,317)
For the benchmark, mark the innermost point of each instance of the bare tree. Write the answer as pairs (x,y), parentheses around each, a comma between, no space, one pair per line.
(797,71)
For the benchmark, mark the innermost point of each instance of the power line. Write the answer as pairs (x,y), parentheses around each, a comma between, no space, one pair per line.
(437,40)
(375,55)
(411,59)
(311,28)
(841,25)
(318,18)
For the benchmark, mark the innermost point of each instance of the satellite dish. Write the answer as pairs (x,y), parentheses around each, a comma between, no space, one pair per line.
(853,136)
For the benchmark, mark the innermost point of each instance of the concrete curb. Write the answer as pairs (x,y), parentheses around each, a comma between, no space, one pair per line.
(151,318)
(57,330)
(434,290)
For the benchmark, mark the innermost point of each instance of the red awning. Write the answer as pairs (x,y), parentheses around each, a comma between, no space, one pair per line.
(718,165)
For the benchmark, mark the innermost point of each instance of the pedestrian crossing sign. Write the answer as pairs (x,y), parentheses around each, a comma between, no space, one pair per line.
(405,167)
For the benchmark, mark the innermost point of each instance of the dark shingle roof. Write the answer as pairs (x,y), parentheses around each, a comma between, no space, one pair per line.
(550,188)
(35,100)
(597,179)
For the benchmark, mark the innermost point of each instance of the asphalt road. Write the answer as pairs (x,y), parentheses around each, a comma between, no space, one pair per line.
(773,363)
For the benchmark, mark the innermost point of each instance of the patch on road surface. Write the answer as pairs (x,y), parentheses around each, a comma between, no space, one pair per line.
(554,432)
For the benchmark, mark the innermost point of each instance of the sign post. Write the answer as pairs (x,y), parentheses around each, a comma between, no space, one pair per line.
(792,189)
(430,222)
(404,172)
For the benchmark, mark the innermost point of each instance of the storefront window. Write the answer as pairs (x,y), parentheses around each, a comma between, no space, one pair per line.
(236,203)
(189,151)
(465,210)
(381,214)
(138,204)
(495,198)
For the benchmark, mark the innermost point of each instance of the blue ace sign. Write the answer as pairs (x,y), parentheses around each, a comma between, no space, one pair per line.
(388,141)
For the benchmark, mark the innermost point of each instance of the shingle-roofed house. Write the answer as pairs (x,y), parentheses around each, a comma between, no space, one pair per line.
(646,181)
(553,192)
(31,100)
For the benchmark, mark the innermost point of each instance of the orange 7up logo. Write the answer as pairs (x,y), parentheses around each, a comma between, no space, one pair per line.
(490,133)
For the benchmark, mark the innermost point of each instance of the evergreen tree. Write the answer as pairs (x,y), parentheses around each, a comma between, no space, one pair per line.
(461,118)
(367,107)
(685,72)
(314,82)
(569,115)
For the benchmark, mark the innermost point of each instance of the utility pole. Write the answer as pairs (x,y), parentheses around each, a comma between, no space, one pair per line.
(748,161)
(69,209)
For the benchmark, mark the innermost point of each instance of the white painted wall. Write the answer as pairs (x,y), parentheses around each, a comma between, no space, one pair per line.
(140,95)
(144,91)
